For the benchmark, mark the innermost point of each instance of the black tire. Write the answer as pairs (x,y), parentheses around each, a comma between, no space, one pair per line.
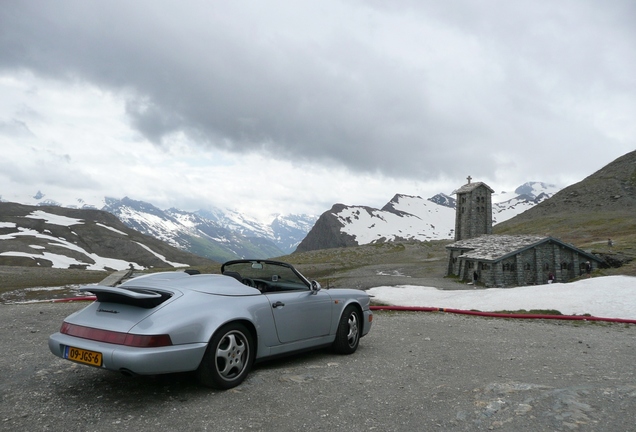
(348,333)
(228,357)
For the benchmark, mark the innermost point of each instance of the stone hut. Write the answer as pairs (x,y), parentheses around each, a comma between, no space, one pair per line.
(506,260)
(514,260)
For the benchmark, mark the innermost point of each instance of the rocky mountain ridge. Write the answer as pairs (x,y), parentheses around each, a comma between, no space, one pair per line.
(59,237)
(407,217)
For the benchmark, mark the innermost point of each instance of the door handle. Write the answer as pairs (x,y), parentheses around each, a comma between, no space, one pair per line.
(277,304)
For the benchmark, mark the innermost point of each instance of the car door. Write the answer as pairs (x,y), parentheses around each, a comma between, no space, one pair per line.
(301,315)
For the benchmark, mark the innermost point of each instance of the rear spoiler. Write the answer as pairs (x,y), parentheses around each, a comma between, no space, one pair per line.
(140,297)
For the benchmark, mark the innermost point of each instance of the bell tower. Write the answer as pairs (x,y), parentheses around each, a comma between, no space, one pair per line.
(473,212)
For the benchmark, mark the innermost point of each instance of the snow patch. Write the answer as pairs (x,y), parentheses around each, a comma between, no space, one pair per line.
(61,261)
(607,297)
(111,228)
(54,219)
(162,258)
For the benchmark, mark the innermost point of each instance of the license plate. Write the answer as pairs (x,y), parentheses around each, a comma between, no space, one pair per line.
(83,356)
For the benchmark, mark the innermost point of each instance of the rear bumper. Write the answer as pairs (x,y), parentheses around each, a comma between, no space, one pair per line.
(142,361)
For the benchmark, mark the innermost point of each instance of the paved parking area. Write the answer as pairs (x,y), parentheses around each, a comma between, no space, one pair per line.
(414,371)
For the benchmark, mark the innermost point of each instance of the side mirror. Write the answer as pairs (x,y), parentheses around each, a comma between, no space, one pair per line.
(315,286)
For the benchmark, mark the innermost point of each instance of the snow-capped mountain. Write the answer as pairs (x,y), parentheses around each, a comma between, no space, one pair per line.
(508,205)
(289,230)
(88,239)
(443,200)
(235,221)
(225,234)
(410,218)
(213,233)
(405,217)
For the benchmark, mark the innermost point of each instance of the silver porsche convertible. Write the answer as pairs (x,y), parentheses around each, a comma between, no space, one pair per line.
(215,324)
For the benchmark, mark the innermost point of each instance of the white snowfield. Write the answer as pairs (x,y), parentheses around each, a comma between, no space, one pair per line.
(422,220)
(607,297)
(54,219)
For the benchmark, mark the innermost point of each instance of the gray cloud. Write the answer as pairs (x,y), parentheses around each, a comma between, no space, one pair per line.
(407,88)
(15,128)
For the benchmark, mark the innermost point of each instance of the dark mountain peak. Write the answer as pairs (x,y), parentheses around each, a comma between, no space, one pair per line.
(326,232)
(443,200)
(390,207)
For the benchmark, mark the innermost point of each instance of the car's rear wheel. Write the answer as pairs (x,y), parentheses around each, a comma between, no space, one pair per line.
(348,334)
(228,358)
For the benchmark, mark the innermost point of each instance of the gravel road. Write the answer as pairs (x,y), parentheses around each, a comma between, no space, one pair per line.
(414,371)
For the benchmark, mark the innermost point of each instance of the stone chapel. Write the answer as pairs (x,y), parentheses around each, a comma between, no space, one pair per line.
(506,260)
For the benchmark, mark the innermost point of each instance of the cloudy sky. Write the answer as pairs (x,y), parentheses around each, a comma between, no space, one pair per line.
(292,106)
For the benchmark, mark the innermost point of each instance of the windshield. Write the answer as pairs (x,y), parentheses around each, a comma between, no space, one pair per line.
(277,276)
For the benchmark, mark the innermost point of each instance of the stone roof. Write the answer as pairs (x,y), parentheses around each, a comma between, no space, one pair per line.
(470,187)
(492,247)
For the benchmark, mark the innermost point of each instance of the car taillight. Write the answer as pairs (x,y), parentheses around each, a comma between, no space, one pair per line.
(113,337)
(143,341)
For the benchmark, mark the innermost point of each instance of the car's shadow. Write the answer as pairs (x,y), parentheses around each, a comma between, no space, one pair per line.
(294,359)
(139,391)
